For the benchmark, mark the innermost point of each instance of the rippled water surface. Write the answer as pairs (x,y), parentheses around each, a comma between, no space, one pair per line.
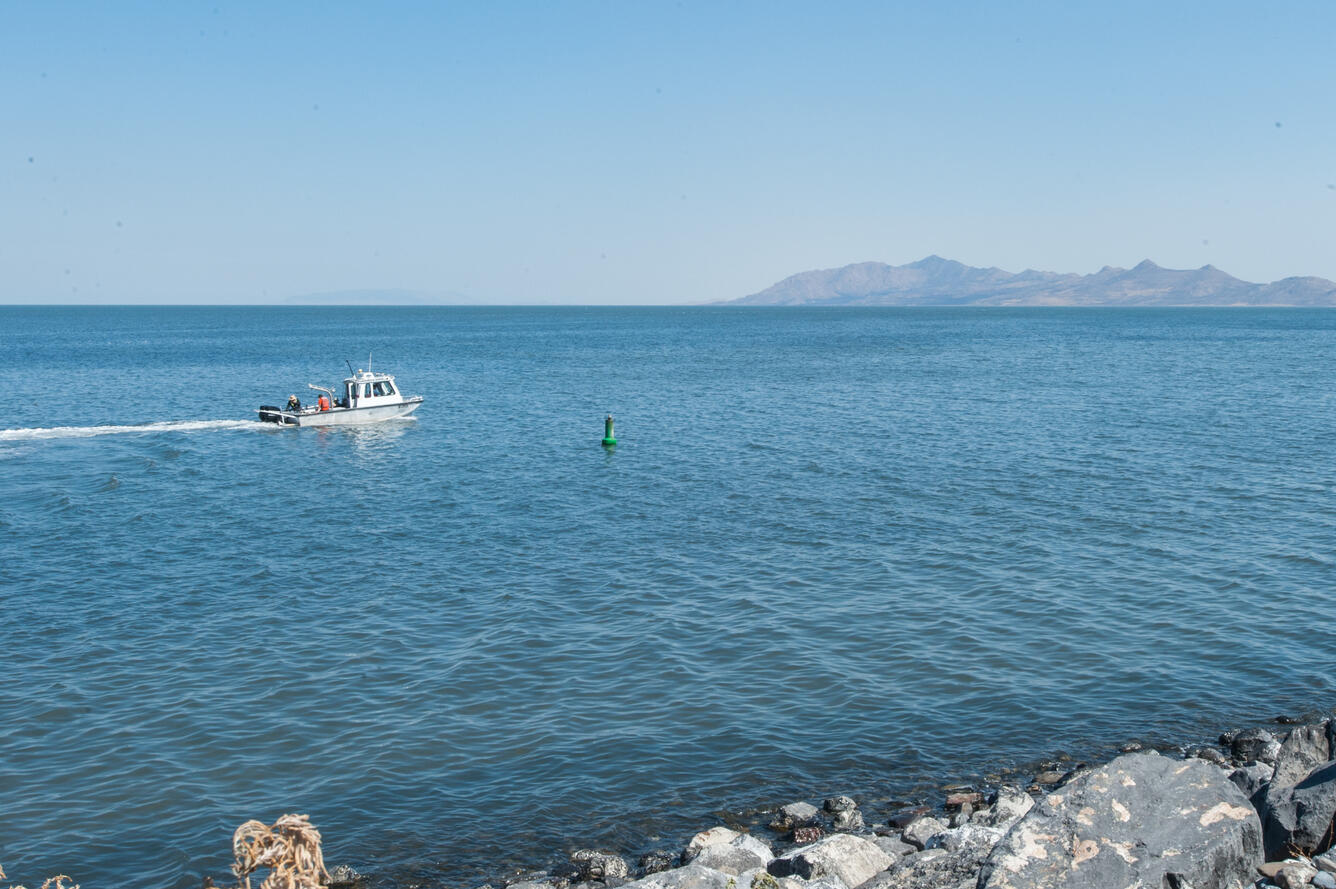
(836,550)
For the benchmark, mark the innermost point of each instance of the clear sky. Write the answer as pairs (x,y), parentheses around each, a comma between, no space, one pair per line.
(639,152)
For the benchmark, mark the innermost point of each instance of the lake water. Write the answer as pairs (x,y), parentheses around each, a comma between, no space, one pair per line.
(837,550)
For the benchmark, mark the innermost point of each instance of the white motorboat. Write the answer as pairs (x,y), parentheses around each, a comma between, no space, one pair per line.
(368,397)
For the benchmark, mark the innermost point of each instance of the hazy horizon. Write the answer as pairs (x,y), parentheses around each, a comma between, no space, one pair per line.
(391,297)
(585,154)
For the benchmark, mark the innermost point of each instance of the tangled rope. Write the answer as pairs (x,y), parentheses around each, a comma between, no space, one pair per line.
(56,882)
(290,848)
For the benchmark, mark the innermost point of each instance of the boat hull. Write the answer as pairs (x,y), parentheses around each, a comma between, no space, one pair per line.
(343,416)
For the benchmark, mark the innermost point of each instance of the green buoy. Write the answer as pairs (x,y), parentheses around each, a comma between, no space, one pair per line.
(609,439)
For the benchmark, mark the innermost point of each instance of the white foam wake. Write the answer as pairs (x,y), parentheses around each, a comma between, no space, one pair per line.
(35,434)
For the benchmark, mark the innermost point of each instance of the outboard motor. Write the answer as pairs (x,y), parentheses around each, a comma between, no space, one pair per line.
(269,414)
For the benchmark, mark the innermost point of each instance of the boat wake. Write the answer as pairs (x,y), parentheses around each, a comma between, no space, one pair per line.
(38,433)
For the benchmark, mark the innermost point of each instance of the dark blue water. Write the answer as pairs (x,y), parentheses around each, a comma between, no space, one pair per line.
(837,550)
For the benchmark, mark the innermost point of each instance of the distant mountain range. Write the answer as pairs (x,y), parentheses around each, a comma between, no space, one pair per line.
(943,282)
(377,298)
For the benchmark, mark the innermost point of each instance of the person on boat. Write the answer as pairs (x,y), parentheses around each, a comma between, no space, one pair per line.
(323,402)
(293,403)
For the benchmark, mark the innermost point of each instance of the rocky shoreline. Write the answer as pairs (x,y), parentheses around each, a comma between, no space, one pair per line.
(1258,807)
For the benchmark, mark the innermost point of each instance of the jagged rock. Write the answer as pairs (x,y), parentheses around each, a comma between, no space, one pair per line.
(609,883)
(760,878)
(343,877)
(565,871)
(796,882)
(657,861)
(1305,748)
(794,815)
(1326,862)
(1269,869)
(755,845)
(601,866)
(1252,779)
(922,829)
(800,883)
(930,868)
(744,853)
(1289,873)
(851,859)
(1007,807)
(692,876)
(844,813)
(1295,875)
(973,839)
(727,859)
(712,837)
(923,856)
(1211,755)
(802,813)
(806,835)
(952,858)
(894,847)
(850,820)
(957,801)
(900,820)
(960,818)
(1299,817)
(1324,880)
(1141,819)
(1270,753)
(1249,745)
(1049,776)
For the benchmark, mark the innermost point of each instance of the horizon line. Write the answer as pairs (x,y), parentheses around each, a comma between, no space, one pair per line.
(710,305)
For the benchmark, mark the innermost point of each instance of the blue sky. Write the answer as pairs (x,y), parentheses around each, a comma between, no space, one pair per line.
(650,152)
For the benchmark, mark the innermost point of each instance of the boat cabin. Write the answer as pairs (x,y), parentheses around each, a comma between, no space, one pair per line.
(367,389)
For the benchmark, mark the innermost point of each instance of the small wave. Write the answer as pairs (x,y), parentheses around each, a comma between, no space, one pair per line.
(38,433)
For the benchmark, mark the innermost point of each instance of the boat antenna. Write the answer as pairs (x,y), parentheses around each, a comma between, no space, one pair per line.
(350,367)
(368,362)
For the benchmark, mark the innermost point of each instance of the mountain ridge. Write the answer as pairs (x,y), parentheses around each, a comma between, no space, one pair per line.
(377,297)
(935,281)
